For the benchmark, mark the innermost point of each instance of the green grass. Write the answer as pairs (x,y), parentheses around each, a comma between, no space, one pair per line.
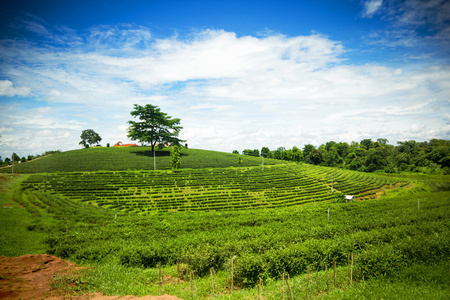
(132,158)
(418,281)
(15,237)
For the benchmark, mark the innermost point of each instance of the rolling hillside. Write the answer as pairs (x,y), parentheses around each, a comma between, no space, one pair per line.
(131,158)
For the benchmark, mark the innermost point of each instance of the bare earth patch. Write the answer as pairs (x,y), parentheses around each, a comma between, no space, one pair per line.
(30,277)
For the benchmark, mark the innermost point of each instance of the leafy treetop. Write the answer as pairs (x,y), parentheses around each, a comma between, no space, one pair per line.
(155,127)
(89,137)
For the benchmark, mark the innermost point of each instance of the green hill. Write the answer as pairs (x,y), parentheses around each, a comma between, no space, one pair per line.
(131,158)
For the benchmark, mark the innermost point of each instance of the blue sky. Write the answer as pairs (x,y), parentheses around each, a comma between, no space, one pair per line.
(239,74)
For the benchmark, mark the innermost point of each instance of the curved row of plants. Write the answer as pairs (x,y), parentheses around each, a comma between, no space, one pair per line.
(209,189)
(384,235)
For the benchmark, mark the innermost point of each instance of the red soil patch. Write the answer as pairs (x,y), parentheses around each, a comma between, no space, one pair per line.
(30,276)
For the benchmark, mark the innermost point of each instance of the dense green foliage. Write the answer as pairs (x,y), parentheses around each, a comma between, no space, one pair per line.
(431,157)
(154,127)
(131,158)
(89,137)
(175,157)
(211,189)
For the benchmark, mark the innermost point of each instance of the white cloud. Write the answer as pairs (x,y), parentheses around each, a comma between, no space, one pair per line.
(54,94)
(371,7)
(7,89)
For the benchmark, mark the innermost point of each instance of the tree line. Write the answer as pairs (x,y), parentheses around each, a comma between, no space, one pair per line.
(17,159)
(429,157)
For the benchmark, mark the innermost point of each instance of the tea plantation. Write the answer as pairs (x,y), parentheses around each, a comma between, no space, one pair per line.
(235,232)
(211,189)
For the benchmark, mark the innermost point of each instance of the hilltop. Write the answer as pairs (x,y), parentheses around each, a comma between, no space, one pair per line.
(132,158)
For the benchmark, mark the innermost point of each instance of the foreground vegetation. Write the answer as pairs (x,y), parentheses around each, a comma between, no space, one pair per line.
(400,245)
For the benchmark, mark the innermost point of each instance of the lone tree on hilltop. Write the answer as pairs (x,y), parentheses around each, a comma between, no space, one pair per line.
(89,137)
(154,127)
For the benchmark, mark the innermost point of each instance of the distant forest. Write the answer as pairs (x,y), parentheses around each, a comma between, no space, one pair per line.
(431,157)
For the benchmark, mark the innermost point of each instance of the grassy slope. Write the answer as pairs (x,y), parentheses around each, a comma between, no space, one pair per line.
(132,158)
(15,238)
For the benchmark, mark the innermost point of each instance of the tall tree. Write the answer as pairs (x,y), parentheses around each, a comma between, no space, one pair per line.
(367,143)
(315,156)
(154,127)
(15,158)
(264,151)
(280,153)
(89,137)
(296,154)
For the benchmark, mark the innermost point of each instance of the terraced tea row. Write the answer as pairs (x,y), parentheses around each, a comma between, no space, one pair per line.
(208,189)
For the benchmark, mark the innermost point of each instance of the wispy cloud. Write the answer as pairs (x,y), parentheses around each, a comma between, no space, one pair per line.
(423,24)
(435,13)
(371,7)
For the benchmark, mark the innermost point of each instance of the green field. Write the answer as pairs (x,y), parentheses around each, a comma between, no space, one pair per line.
(210,189)
(132,158)
(250,225)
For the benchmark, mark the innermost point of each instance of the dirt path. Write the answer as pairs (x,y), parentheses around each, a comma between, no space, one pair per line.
(31,276)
